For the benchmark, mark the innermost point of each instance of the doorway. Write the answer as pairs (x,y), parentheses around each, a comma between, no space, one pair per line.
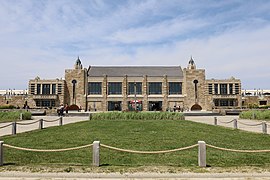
(155,105)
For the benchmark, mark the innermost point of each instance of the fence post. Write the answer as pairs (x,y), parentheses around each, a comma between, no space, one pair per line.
(41,124)
(215,121)
(96,145)
(90,116)
(21,116)
(235,124)
(1,153)
(264,127)
(202,154)
(253,115)
(14,128)
(61,121)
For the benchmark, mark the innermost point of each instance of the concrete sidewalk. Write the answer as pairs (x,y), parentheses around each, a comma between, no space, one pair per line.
(35,126)
(133,176)
(243,124)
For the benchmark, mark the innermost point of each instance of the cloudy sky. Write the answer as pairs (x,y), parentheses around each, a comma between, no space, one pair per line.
(43,38)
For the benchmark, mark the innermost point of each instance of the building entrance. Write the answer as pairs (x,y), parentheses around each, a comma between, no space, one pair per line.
(131,105)
(155,105)
(196,107)
(114,106)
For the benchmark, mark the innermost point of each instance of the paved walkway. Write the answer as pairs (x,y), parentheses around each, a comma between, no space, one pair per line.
(243,124)
(133,176)
(31,127)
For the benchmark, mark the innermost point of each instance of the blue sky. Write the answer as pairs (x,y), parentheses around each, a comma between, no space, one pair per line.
(43,38)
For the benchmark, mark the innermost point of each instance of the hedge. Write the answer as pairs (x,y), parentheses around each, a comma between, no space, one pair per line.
(137,116)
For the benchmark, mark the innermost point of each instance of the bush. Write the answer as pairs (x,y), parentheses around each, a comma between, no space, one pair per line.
(138,116)
(262,115)
(7,107)
(14,115)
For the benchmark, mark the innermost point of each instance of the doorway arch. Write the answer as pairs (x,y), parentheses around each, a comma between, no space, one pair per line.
(196,107)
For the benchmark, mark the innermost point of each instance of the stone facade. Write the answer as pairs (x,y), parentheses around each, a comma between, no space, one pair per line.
(255,98)
(160,88)
(76,86)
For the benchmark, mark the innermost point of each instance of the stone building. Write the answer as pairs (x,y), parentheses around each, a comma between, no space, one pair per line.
(106,88)
(46,92)
(255,98)
(148,88)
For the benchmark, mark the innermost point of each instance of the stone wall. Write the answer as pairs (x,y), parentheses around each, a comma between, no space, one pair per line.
(189,87)
(17,100)
(77,97)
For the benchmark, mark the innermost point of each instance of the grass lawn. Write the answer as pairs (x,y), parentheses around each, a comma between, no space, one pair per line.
(136,135)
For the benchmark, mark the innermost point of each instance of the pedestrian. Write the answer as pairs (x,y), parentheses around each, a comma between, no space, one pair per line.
(61,110)
(66,108)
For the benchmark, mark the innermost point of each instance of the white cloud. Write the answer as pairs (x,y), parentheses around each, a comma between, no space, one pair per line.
(43,38)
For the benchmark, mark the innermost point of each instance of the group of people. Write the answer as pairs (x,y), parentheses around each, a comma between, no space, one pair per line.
(62,109)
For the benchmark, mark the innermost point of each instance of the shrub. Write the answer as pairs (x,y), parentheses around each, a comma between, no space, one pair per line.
(138,116)
(262,115)
(7,107)
(14,115)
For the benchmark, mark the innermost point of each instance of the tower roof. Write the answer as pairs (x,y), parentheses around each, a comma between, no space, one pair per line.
(78,61)
(191,64)
(191,61)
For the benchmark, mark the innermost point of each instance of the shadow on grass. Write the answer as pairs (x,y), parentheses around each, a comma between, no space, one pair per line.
(104,165)
(9,164)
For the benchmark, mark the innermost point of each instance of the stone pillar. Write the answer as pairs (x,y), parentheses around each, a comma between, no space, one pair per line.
(235,124)
(215,121)
(165,93)
(61,121)
(41,124)
(96,147)
(104,93)
(1,153)
(124,93)
(264,127)
(202,154)
(144,93)
(14,128)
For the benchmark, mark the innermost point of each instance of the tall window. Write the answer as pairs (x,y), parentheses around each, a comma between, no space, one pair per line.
(114,88)
(131,88)
(210,88)
(223,89)
(175,88)
(237,89)
(155,87)
(46,88)
(38,88)
(231,88)
(216,88)
(53,88)
(59,91)
(94,88)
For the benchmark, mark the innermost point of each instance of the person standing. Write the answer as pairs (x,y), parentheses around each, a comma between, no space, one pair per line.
(66,108)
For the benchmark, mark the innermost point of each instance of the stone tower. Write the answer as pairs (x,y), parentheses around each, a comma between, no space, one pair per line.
(76,82)
(194,90)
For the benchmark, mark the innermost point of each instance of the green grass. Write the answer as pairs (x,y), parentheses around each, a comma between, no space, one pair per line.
(143,135)
(260,115)
(14,115)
